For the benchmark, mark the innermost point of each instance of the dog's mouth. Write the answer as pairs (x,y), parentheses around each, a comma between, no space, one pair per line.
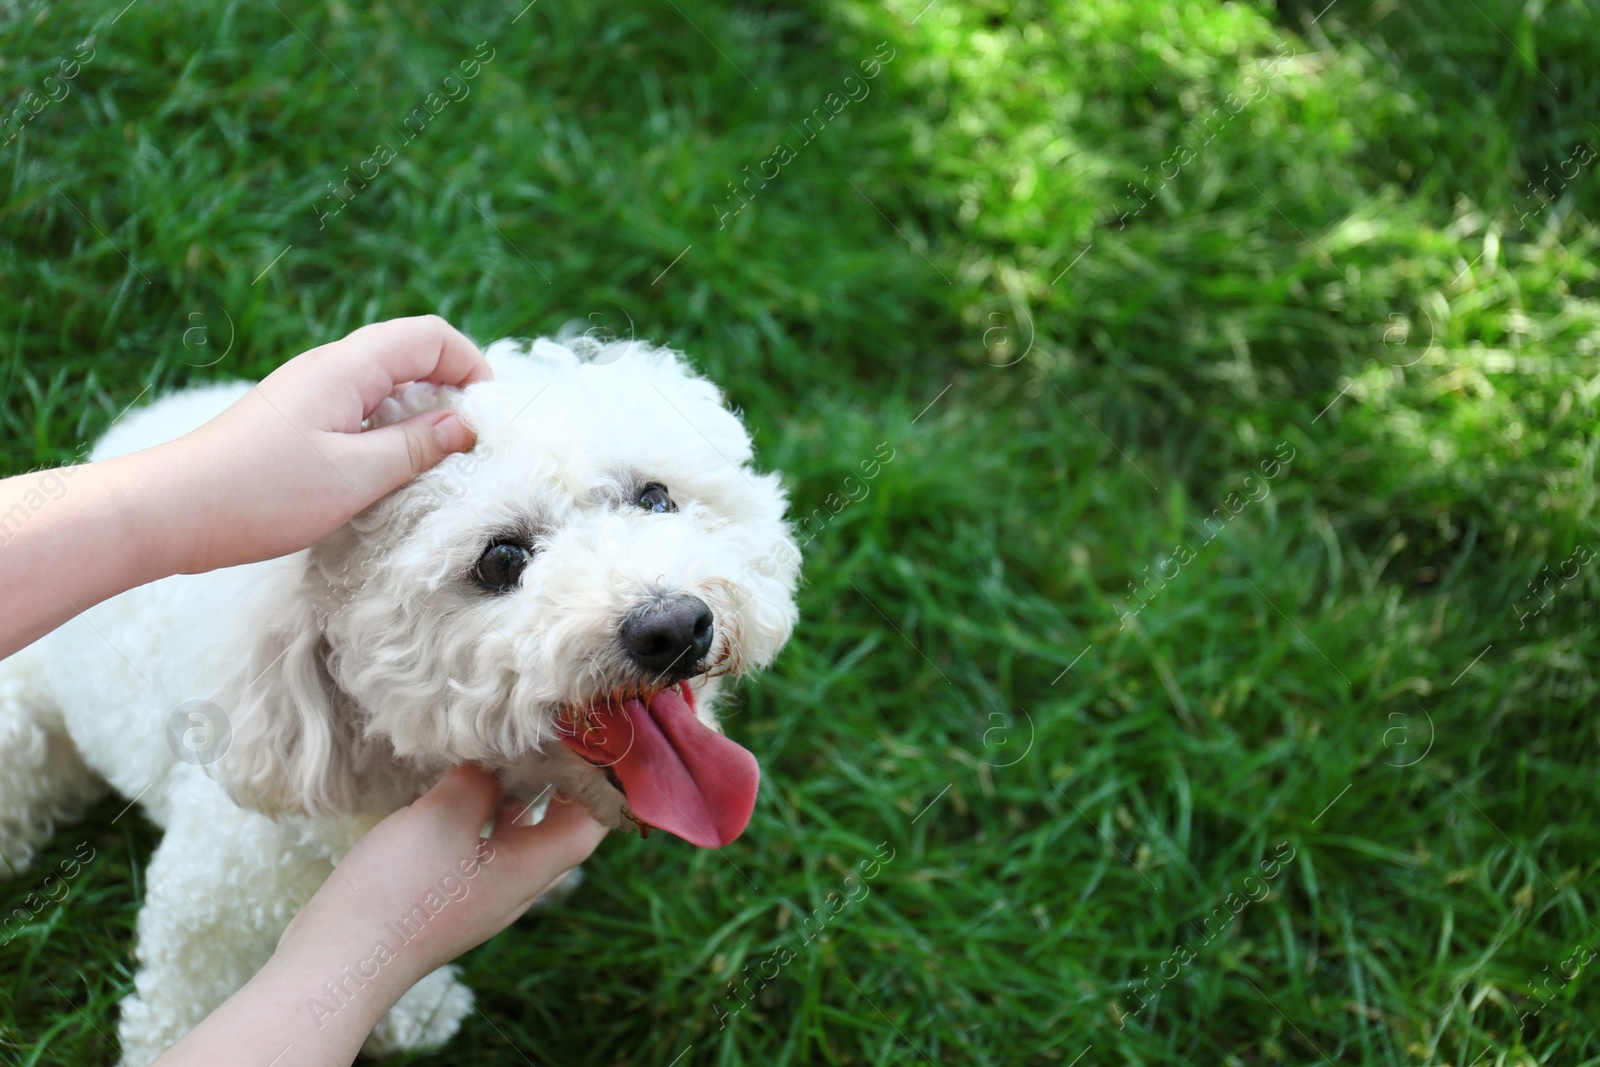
(678,774)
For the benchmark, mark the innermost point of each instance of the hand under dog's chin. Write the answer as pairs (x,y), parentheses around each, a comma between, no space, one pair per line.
(536,776)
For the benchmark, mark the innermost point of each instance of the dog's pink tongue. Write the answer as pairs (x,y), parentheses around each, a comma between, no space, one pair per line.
(679,774)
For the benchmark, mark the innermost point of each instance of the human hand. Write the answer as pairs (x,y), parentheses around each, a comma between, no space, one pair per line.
(479,885)
(289,463)
(380,895)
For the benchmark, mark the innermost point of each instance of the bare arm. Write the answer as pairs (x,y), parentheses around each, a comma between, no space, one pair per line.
(285,466)
(389,873)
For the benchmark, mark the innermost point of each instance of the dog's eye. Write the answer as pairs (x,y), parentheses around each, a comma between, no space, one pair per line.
(500,566)
(653,497)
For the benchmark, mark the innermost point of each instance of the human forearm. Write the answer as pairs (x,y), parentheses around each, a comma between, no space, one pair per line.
(427,856)
(283,467)
(271,1016)
(74,536)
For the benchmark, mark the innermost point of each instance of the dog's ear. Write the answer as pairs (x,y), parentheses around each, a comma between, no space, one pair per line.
(294,747)
(524,362)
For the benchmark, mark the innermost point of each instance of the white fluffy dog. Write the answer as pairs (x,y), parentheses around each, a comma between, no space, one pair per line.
(558,605)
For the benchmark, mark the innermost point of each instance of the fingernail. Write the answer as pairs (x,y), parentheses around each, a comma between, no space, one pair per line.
(451,432)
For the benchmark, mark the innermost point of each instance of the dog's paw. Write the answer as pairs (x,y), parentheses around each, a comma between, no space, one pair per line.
(426,1017)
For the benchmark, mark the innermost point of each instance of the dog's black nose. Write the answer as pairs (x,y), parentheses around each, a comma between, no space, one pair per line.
(669,637)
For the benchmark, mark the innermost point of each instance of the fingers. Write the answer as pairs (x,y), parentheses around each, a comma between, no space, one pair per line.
(422,348)
(515,811)
(564,838)
(465,792)
(384,459)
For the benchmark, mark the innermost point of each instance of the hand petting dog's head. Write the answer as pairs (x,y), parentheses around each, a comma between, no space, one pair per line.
(556,604)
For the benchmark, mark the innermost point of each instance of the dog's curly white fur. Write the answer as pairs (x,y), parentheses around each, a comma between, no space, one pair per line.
(353,674)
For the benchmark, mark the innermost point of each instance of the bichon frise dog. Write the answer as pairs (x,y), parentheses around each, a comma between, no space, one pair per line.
(558,605)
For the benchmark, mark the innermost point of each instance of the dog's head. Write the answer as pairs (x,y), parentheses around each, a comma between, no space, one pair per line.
(557,604)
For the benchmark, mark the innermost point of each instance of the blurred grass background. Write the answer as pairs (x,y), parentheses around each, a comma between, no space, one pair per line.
(1082,266)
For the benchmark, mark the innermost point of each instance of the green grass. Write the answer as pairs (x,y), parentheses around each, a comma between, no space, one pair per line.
(1351,267)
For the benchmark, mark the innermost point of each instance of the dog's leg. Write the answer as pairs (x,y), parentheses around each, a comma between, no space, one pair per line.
(43,781)
(222,886)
